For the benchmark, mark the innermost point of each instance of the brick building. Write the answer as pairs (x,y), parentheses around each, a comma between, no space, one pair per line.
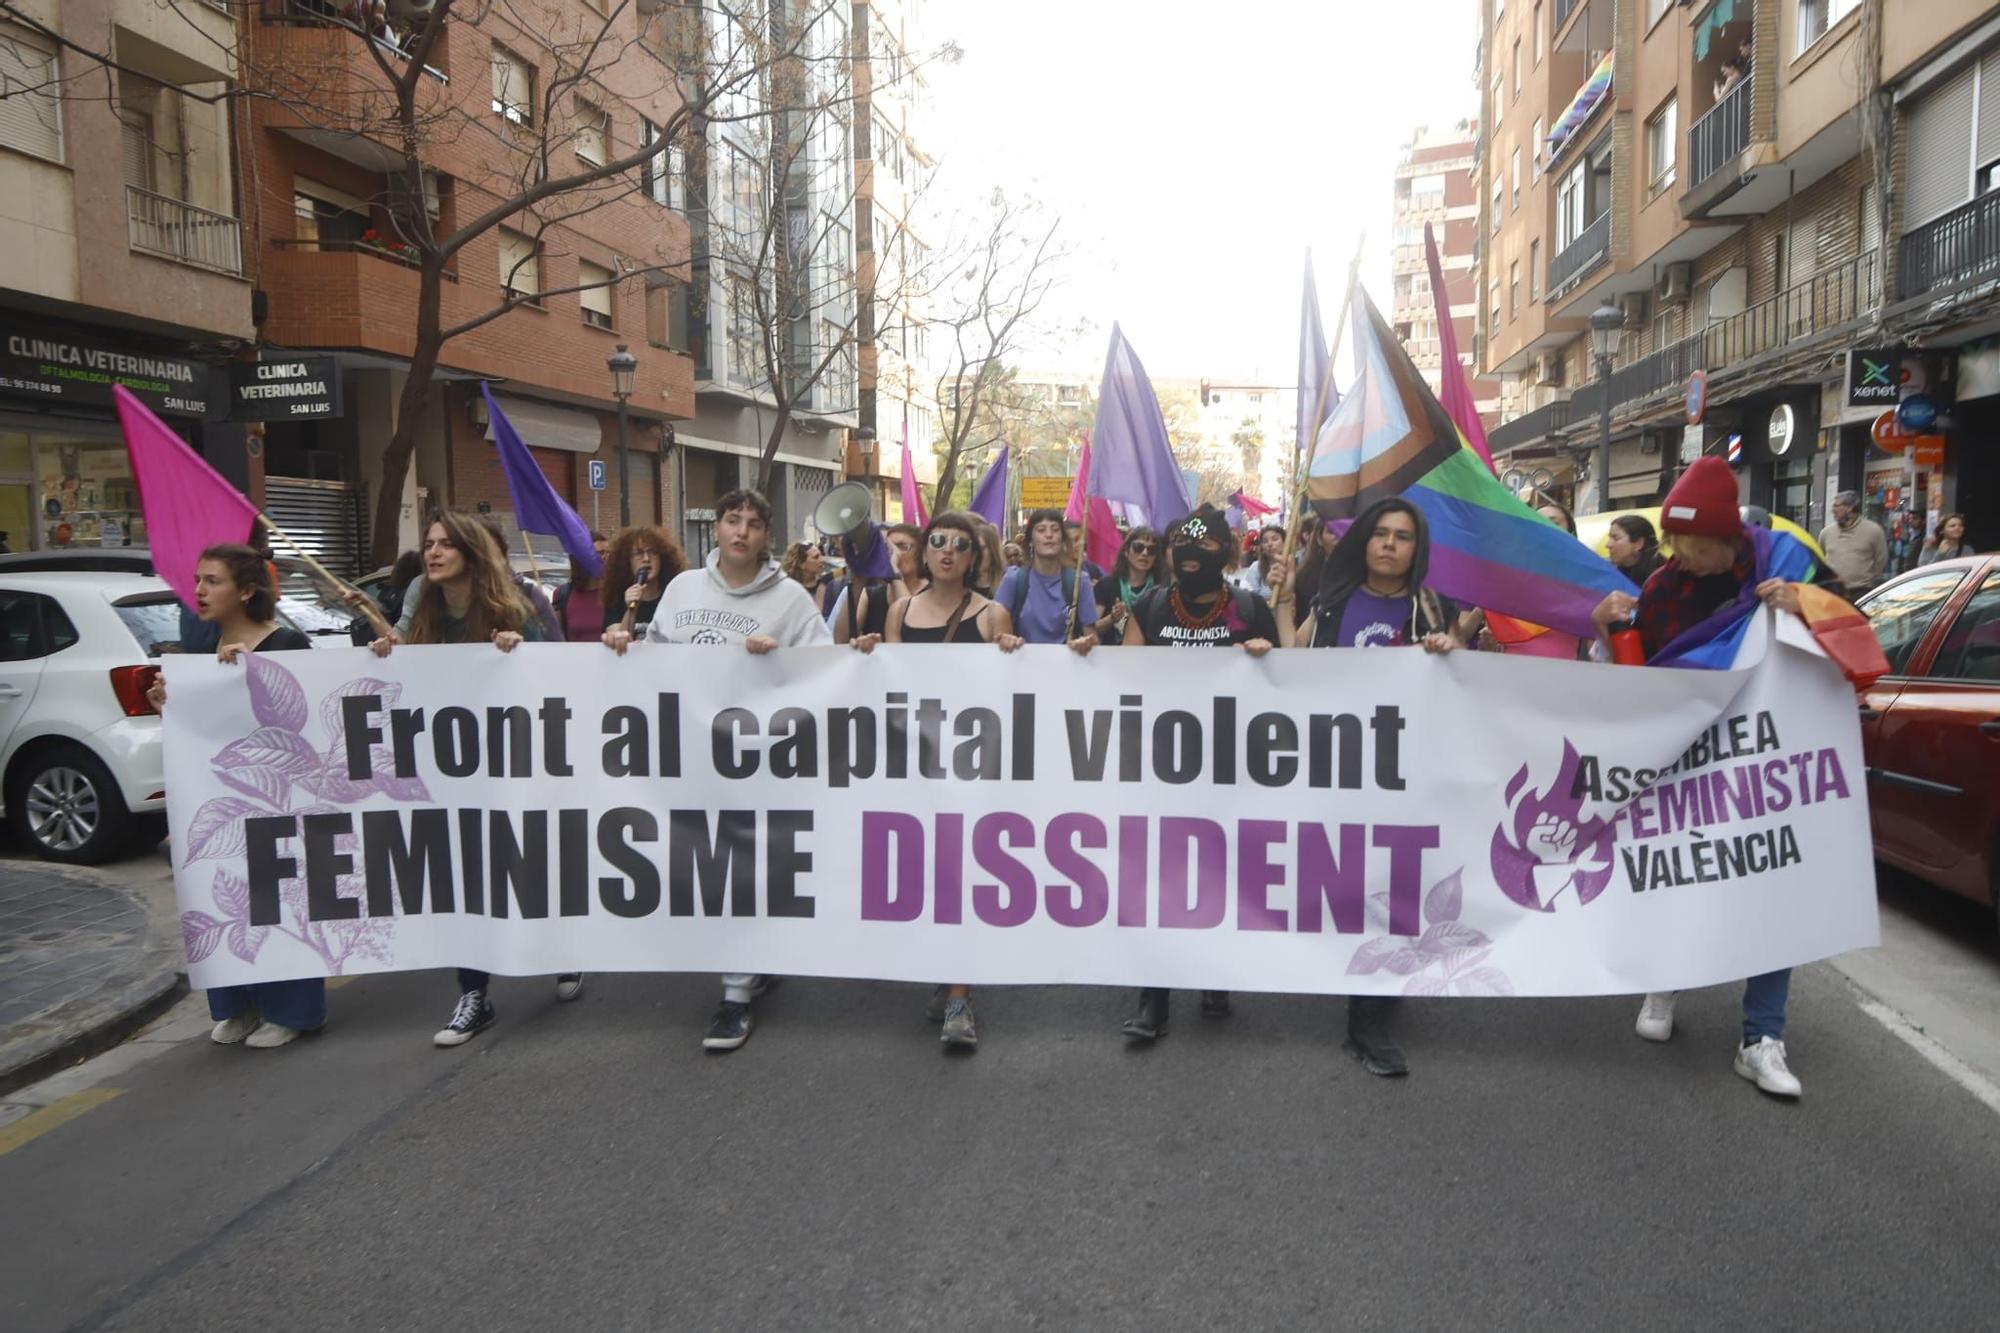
(1435,184)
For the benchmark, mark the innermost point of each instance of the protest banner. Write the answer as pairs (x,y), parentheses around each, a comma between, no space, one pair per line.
(1380,822)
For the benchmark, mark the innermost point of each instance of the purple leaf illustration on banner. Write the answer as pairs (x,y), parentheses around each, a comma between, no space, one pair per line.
(267,784)
(270,747)
(1372,955)
(232,895)
(1445,960)
(245,940)
(217,828)
(1406,960)
(1490,981)
(1442,903)
(331,783)
(1427,985)
(401,789)
(330,719)
(275,697)
(200,933)
(1448,935)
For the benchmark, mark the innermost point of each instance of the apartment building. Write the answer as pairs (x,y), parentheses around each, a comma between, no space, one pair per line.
(897,394)
(121,256)
(1750,190)
(1435,184)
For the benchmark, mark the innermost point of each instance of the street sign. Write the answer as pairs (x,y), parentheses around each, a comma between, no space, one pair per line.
(597,471)
(294,388)
(1697,397)
(1046,492)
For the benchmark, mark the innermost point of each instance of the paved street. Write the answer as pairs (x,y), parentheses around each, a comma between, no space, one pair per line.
(587,1166)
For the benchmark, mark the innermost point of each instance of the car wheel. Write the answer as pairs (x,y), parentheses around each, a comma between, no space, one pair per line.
(63,803)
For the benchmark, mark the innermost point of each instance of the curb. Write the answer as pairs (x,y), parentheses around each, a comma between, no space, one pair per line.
(136,1005)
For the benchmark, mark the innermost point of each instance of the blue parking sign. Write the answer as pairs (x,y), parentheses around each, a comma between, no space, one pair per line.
(597,474)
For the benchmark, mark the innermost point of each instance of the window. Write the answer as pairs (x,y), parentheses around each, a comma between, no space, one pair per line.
(592,135)
(1536,23)
(1971,651)
(32,626)
(30,104)
(1516,179)
(332,218)
(1662,145)
(1816,17)
(1900,615)
(1499,189)
(664,174)
(1538,146)
(1534,270)
(513,87)
(1517,69)
(1570,220)
(667,313)
(520,265)
(596,301)
(1514,289)
(744,351)
(1496,99)
(1654,9)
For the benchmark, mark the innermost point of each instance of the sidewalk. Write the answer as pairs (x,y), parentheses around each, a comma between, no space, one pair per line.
(83,961)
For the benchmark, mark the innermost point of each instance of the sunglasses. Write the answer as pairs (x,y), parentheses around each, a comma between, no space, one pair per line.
(950,541)
(1143,548)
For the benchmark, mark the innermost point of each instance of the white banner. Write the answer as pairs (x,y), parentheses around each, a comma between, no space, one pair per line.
(1318,821)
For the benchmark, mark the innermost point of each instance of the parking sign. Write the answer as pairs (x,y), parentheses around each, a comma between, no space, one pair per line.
(597,474)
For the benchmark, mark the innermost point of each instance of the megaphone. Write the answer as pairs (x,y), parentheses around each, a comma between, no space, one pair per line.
(846,513)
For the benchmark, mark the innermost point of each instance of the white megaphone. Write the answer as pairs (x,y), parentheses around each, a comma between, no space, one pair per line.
(847,513)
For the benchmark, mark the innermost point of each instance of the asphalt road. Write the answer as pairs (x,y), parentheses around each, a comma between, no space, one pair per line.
(586,1166)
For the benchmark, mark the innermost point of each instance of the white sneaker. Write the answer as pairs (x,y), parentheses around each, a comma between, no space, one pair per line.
(232,1030)
(272,1034)
(1764,1065)
(569,985)
(1656,1016)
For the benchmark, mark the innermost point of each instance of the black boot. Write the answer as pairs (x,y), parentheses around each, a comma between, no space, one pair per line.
(1215,1004)
(1368,1038)
(1151,1020)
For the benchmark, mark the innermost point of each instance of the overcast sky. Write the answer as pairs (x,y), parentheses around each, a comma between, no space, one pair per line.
(1196,150)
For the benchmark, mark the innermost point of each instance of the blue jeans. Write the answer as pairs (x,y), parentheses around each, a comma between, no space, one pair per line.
(295,1004)
(1764,1006)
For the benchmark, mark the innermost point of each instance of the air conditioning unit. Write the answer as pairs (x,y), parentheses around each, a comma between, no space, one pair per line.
(1676,281)
(1548,369)
(1634,306)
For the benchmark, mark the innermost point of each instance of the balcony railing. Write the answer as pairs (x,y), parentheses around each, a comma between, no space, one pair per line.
(1721,135)
(1964,243)
(1591,248)
(174,229)
(403,256)
(1529,426)
(1828,299)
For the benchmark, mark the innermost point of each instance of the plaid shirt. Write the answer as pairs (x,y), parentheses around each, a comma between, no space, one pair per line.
(1675,601)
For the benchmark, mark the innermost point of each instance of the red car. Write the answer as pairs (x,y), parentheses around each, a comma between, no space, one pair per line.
(1930,729)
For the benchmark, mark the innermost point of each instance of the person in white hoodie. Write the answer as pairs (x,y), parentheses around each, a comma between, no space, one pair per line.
(739,596)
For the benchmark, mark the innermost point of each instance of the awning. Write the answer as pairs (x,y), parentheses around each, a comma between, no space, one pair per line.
(546,426)
(1719,15)
(1588,98)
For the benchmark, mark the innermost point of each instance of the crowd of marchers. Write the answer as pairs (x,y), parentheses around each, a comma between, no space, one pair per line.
(1197,583)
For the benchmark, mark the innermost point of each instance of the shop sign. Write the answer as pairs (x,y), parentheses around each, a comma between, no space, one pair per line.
(1893,437)
(57,366)
(1046,492)
(299,388)
(1784,429)
(1874,376)
(1928,451)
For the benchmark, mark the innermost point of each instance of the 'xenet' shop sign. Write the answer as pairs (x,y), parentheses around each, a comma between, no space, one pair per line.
(302,388)
(60,367)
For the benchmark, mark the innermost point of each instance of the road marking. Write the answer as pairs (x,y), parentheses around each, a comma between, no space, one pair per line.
(29,1128)
(1925,1045)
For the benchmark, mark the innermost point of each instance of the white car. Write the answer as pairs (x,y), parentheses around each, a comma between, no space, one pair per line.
(79,742)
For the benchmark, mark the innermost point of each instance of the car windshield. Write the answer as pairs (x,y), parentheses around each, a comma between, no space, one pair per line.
(156,624)
(315,617)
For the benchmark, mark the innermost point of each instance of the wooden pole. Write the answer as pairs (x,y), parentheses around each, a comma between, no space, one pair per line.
(1319,408)
(534,569)
(351,594)
(1082,547)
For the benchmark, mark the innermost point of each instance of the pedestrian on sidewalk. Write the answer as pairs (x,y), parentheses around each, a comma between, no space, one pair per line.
(233,593)
(467,595)
(1714,560)
(1855,544)
(1371,594)
(1201,609)
(950,609)
(739,598)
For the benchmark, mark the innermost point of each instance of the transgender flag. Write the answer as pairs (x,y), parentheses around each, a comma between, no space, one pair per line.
(1391,436)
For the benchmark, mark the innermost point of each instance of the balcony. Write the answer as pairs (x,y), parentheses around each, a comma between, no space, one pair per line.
(1963,244)
(1590,249)
(173,229)
(1721,135)
(1530,427)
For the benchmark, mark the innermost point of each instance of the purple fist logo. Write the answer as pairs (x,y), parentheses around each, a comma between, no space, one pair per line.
(1544,846)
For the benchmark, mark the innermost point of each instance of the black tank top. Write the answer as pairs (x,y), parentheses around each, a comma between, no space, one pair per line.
(968,631)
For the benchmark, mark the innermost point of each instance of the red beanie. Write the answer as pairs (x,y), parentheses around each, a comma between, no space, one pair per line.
(1703,501)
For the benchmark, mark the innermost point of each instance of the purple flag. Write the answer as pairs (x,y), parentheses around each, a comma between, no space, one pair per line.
(537,507)
(989,498)
(1312,365)
(1132,461)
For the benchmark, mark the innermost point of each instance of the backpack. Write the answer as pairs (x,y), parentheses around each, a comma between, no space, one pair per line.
(1017,600)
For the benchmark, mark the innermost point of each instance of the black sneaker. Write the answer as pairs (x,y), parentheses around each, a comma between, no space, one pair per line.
(1215,1004)
(729,1028)
(1368,1038)
(569,985)
(472,1016)
(940,997)
(1151,1020)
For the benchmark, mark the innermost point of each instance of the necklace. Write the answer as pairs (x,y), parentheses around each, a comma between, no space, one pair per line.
(1191,619)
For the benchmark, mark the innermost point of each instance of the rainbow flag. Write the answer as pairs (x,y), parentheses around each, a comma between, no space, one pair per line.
(1391,436)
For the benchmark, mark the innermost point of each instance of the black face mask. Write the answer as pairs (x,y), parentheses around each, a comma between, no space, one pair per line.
(1204,579)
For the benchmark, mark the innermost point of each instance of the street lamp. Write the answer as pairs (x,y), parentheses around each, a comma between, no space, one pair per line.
(1607,330)
(624,370)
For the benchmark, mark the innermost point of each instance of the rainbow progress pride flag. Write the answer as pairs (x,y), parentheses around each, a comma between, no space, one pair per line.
(1391,436)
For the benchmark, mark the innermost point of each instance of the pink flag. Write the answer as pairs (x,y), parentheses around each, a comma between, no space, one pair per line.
(1454,391)
(913,495)
(1101,538)
(188,506)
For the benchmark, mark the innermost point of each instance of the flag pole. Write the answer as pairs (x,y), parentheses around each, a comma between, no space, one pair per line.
(534,568)
(352,595)
(1082,547)
(1319,407)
